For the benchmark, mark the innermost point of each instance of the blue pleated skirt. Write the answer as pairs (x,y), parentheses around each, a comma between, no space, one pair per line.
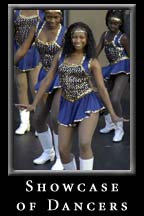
(122,66)
(54,85)
(72,112)
(30,60)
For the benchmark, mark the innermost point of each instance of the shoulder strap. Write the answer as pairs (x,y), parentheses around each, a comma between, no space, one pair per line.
(61,35)
(61,58)
(16,14)
(86,64)
(119,35)
(38,27)
(41,15)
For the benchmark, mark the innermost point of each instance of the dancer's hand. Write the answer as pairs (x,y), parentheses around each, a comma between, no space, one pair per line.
(28,107)
(116,118)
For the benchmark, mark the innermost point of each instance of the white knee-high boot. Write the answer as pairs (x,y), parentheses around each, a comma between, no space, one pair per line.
(71,165)
(36,133)
(48,150)
(24,122)
(86,164)
(109,125)
(58,164)
(119,132)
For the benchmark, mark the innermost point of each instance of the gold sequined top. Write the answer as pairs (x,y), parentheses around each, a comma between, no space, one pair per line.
(47,50)
(114,50)
(23,26)
(74,80)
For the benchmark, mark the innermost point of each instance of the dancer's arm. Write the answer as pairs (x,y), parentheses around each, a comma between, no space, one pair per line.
(44,85)
(25,46)
(96,70)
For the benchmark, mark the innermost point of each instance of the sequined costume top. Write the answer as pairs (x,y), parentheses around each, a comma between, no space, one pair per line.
(23,25)
(74,79)
(114,50)
(47,50)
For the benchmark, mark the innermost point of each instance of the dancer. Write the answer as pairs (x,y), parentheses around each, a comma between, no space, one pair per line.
(28,67)
(80,104)
(116,46)
(48,39)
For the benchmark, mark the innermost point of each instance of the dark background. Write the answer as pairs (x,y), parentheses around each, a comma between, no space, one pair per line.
(126,193)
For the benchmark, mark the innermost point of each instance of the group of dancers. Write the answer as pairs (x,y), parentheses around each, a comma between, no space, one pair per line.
(63,59)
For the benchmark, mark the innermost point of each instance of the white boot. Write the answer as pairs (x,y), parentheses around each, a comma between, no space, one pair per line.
(109,125)
(25,123)
(119,132)
(48,150)
(36,133)
(71,165)
(58,164)
(86,164)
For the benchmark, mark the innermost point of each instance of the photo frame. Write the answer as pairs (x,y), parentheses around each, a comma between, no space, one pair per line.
(66,14)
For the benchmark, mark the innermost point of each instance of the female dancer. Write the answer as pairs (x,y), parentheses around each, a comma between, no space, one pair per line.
(116,47)
(48,39)
(28,67)
(80,104)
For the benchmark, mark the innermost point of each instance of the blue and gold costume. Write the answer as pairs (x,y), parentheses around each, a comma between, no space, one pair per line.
(47,51)
(78,98)
(22,25)
(117,57)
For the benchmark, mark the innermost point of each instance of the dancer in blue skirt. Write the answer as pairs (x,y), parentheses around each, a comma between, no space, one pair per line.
(26,70)
(48,36)
(80,104)
(116,46)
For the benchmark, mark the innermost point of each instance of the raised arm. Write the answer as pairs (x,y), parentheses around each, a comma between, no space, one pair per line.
(96,70)
(25,46)
(100,45)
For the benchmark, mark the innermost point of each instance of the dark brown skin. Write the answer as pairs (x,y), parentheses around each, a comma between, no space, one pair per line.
(47,34)
(113,30)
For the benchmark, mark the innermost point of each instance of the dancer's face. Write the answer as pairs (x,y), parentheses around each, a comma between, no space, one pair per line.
(114,24)
(53,18)
(79,39)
